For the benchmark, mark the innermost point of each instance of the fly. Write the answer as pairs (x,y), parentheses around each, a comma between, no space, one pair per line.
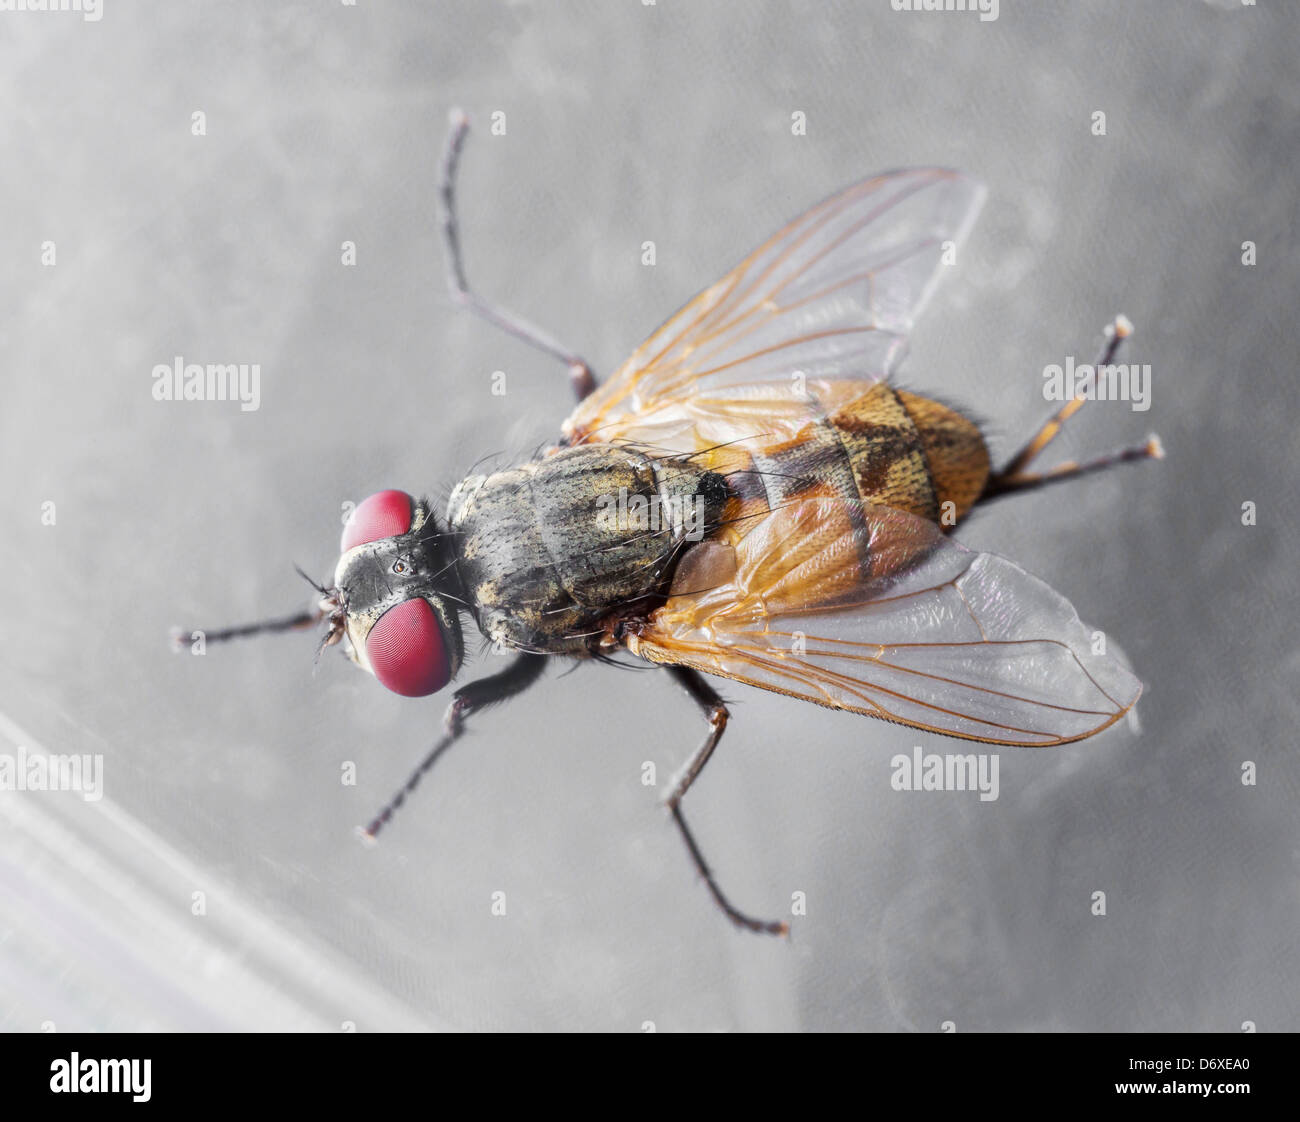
(749,498)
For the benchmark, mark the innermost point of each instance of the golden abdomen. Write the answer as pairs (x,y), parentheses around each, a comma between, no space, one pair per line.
(955,453)
(885,447)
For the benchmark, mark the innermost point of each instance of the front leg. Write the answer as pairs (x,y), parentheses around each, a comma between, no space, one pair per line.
(515,678)
(580,375)
(715,710)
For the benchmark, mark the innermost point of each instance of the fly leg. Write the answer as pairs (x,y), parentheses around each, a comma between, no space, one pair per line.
(715,711)
(1014,477)
(298,622)
(329,608)
(580,375)
(469,699)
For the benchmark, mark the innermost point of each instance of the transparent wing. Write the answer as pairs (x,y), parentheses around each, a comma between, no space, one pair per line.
(874,610)
(832,295)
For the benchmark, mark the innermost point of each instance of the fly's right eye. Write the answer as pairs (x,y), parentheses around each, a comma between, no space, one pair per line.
(384,515)
(407,650)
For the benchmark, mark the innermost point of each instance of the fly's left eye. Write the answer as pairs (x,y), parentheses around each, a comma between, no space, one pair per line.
(383,515)
(407,650)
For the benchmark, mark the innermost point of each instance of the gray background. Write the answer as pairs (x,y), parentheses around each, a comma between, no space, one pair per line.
(625,123)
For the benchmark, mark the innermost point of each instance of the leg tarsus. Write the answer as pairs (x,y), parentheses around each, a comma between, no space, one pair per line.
(297,622)
(469,699)
(1150,449)
(715,710)
(739,918)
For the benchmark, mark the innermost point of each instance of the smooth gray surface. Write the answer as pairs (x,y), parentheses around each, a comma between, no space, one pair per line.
(628,123)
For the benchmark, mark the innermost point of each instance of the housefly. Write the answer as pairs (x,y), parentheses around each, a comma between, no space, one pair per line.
(747,497)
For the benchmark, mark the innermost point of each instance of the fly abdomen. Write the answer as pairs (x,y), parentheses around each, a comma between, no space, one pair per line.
(885,447)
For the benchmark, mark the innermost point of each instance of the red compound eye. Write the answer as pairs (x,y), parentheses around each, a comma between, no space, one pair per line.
(383,515)
(407,651)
